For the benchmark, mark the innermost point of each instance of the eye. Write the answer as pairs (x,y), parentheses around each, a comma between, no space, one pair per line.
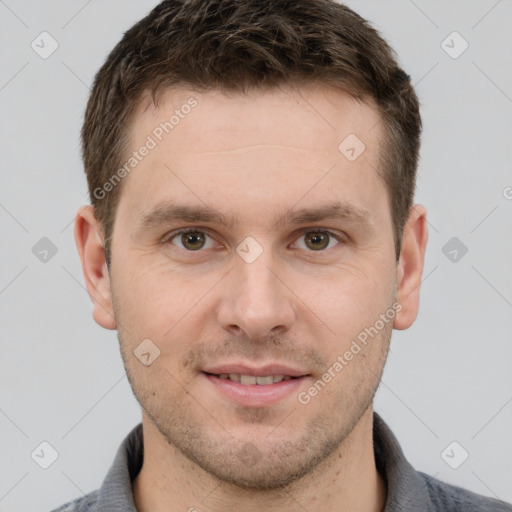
(193,240)
(318,240)
(190,239)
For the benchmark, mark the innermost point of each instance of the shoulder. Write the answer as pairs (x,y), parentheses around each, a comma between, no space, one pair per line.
(451,498)
(87,503)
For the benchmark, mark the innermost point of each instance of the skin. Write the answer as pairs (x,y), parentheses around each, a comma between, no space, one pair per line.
(253,157)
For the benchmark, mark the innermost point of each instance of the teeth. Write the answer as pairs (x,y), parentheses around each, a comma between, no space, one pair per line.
(250,380)
(263,381)
(247,379)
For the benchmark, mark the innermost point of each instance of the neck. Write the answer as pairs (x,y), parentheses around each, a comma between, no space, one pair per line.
(347,481)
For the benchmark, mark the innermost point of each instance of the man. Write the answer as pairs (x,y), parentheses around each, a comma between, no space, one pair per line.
(253,240)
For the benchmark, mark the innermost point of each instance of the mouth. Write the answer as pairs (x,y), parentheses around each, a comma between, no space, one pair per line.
(251,387)
(252,380)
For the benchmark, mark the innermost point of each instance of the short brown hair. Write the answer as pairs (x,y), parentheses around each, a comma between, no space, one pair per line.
(239,45)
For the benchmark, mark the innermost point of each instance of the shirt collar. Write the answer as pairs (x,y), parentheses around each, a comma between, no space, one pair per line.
(406,489)
(116,494)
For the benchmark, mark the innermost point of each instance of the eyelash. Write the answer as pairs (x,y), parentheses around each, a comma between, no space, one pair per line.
(167,240)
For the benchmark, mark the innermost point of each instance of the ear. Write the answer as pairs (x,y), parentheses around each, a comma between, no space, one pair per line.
(89,241)
(410,266)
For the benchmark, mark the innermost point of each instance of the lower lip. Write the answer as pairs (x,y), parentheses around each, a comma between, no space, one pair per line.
(255,395)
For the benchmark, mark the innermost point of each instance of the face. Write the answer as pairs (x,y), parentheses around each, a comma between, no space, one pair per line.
(288,259)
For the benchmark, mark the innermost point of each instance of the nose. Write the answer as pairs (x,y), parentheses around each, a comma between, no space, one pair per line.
(256,300)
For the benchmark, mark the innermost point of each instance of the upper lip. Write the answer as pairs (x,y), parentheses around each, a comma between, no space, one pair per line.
(261,371)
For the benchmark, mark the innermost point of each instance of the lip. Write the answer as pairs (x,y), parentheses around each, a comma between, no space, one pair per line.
(255,395)
(262,371)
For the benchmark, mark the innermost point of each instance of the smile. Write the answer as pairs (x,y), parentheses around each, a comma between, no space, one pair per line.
(251,380)
(254,390)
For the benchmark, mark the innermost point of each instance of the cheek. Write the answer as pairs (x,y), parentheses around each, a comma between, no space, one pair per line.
(349,294)
(351,304)
(145,283)
(154,301)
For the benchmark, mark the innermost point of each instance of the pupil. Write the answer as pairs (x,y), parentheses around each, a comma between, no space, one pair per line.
(193,240)
(318,240)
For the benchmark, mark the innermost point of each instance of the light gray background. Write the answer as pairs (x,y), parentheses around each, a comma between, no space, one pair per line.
(448,378)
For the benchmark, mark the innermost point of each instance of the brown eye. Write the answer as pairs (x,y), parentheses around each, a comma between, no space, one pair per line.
(317,240)
(193,240)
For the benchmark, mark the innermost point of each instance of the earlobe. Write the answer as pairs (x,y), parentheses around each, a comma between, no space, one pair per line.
(410,266)
(89,243)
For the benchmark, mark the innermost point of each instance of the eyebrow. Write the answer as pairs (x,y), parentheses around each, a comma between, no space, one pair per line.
(168,212)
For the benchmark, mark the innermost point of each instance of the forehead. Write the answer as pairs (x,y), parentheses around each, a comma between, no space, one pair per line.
(277,115)
(269,146)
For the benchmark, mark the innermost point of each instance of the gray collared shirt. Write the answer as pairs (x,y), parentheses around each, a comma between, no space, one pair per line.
(407,489)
